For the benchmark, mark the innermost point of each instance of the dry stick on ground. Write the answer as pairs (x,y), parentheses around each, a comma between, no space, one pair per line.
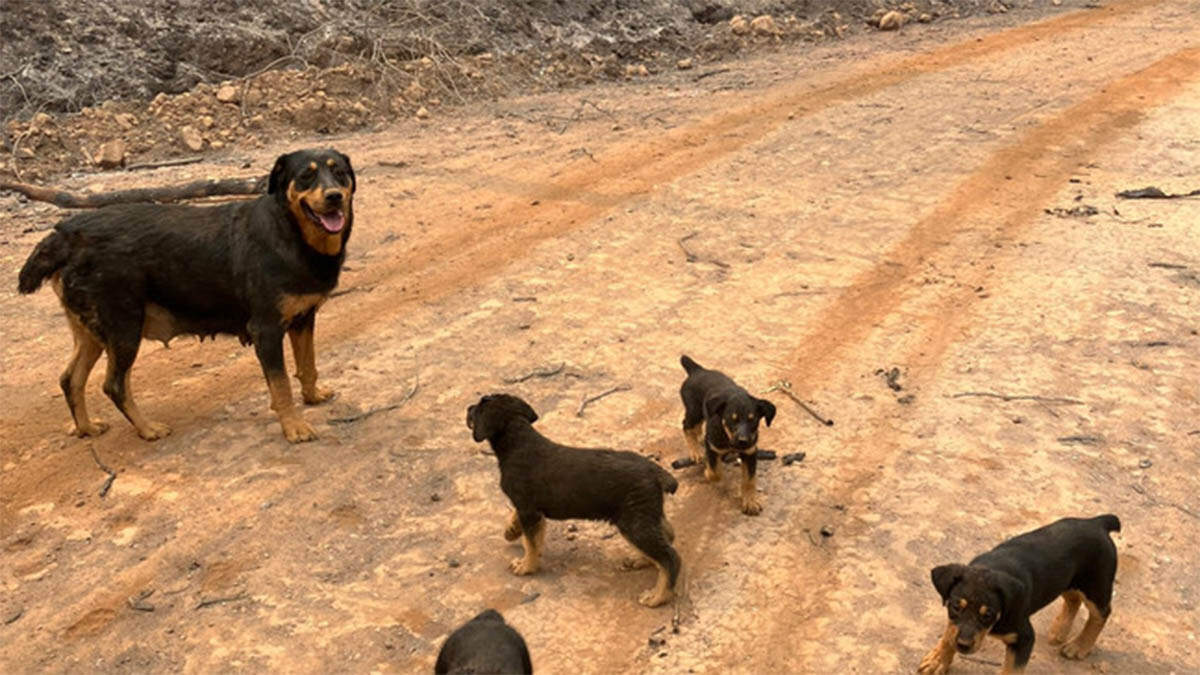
(138,601)
(364,415)
(112,475)
(208,602)
(1007,397)
(589,400)
(169,193)
(692,257)
(541,372)
(352,289)
(786,387)
(1155,501)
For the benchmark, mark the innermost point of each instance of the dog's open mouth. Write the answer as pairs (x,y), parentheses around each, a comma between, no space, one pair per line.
(332,221)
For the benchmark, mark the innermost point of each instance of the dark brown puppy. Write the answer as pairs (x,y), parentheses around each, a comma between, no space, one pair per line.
(543,480)
(998,591)
(255,269)
(484,644)
(730,416)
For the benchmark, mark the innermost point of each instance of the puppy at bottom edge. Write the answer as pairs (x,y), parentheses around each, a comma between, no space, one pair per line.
(998,591)
(544,479)
(485,644)
(256,269)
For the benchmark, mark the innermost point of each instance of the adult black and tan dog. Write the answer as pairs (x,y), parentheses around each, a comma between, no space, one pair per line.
(999,590)
(543,480)
(255,269)
(730,417)
(485,644)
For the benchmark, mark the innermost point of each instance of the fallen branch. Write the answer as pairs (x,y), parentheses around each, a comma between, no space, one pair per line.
(692,257)
(1022,397)
(112,475)
(183,161)
(169,193)
(373,411)
(543,372)
(589,400)
(786,387)
(1155,193)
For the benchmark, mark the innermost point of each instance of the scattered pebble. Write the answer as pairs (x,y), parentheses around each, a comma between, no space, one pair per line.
(794,458)
(435,497)
(683,463)
(453,563)
(1145,464)
(826,531)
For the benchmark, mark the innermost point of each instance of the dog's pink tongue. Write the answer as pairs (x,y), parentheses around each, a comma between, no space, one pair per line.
(333,221)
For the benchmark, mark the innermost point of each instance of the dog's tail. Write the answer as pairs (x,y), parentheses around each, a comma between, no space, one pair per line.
(689,365)
(1110,522)
(666,481)
(47,258)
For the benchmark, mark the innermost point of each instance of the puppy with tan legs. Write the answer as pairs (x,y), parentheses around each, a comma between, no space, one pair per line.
(1073,558)
(544,480)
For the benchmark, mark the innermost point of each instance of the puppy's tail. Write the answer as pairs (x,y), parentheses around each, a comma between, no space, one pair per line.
(666,481)
(47,258)
(1110,522)
(689,365)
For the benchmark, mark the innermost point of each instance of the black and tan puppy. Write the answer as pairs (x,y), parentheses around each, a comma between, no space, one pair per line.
(998,591)
(728,417)
(256,269)
(485,644)
(543,480)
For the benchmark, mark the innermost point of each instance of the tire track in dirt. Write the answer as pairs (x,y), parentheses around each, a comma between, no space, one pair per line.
(1009,190)
(465,254)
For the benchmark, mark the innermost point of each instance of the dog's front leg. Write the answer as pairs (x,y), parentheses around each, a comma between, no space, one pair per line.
(301,335)
(533,526)
(1017,652)
(513,530)
(751,505)
(938,660)
(268,345)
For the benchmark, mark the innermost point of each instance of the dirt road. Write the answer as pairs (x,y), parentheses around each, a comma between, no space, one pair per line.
(912,201)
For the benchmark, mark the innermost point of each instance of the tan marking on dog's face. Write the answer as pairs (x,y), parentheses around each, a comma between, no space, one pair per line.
(313,166)
(330,163)
(962,603)
(328,243)
(982,610)
(290,306)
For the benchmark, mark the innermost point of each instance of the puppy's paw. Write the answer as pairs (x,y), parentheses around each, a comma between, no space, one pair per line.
(154,431)
(1074,650)
(296,430)
(934,664)
(317,395)
(751,505)
(94,427)
(652,598)
(522,567)
(636,562)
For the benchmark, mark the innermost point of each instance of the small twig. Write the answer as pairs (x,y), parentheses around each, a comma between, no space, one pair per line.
(589,400)
(985,662)
(138,601)
(786,387)
(1022,397)
(352,289)
(168,162)
(710,73)
(692,257)
(112,475)
(373,411)
(209,602)
(1168,266)
(542,372)
(1155,501)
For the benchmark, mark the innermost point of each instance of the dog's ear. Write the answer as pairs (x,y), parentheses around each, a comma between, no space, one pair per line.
(1011,589)
(481,420)
(524,410)
(349,170)
(278,180)
(946,577)
(765,409)
(714,406)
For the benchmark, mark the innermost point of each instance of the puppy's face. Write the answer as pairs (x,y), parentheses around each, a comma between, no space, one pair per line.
(975,598)
(739,415)
(492,413)
(317,187)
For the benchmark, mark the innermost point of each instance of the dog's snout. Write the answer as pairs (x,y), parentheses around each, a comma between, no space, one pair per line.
(333,199)
(964,645)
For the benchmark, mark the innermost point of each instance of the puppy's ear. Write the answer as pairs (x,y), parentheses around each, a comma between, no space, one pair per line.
(946,577)
(278,180)
(350,170)
(765,409)
(1011,589)
(714,406)
(525,411)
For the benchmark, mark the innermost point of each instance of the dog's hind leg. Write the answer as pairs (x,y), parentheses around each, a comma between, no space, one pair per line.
(1061,627)
(1082,645)
(122,351)
(533,526)
(938,660)
(649,538)
(301,335)
(692,436)
(74,380)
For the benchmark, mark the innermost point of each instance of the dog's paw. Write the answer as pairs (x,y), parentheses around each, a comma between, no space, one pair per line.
(751,505)
(522,567)
(1074,650)
(94,427)
(296,430)
(933,664)
(317,395)
(636,562)
(154,431)
(712,475)
(653,599)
